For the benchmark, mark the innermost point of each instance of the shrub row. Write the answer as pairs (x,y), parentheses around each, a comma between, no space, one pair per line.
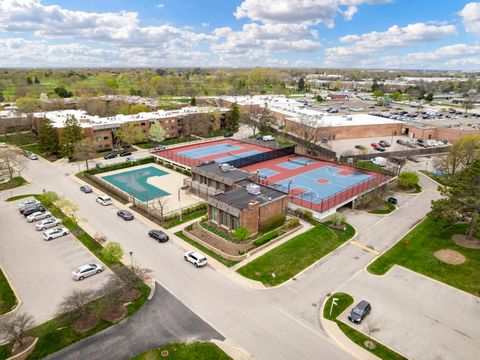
(273,222)
(122,165)
(216,230)
(266,238)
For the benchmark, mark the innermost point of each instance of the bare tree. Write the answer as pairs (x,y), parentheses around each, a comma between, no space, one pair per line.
(159,206)
(251,119)
(100,238)
(370,329)
(310,131)
(14,329)
(77,303)
(84,150)
(132,277)
(12,160)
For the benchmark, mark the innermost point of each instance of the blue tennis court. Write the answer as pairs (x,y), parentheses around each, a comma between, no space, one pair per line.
(134,182)
(290,165)
(208,151)
(237,156)
(266,173)
(318,184)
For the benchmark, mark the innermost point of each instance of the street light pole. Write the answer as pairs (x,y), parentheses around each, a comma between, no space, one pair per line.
(131,258)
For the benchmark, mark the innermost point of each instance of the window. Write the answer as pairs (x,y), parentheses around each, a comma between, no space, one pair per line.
(211,182)
(214,214)
(224,218)
(235,223)
(143,124)
(105,138)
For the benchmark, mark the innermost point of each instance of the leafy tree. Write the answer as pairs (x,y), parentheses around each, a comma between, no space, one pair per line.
(62,92)
(84,150)
(67,207)
(156,132)
(241,234)
(461,199)
(338,218)
(130,133)
(460,154)
(29,80)
(27,105)
(15,328)
(112,252)
(266,119)
(301,84)
(233,118)
(50,197)
(193,102)
(138,108)
(429,97)
(37,80)
(319,98)
(2,98)
(377,94)
(407,179)
(70,135)
(47,137)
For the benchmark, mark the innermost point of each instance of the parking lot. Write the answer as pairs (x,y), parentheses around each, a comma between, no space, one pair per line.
(41,271)
(419,317)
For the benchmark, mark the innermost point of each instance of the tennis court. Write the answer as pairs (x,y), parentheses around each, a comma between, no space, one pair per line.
(219,151)
(315,184)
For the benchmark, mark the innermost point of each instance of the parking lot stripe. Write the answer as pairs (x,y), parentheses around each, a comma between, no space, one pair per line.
(363,247)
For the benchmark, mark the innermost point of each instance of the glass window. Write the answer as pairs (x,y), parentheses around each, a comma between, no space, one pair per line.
(224,218)
(235,223)
(214,214)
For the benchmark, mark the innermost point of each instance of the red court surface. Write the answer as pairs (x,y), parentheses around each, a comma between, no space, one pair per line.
(217,150)
(313,185)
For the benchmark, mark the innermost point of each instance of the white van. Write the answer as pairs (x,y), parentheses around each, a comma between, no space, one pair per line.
(267,138)
(380,161)
(104,200)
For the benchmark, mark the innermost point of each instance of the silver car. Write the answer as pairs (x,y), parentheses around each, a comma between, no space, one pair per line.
(87,270)
(47,224)
(39,215)
(27,203)
(55,233)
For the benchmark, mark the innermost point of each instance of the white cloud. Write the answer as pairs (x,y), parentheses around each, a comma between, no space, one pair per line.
(205,24)
(160,6)
(373,43)
(471,17)
(311,12)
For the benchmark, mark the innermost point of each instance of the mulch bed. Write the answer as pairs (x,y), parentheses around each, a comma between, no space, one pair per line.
(27,341)
(463,241)
(114,314)
(88,323)
(450,256)
(130,294)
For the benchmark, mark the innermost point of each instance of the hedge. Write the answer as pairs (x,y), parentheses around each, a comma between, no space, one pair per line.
(266,238)
(273,222)
(122,165)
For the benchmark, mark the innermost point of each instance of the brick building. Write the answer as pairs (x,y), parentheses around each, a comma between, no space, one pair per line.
(248,206)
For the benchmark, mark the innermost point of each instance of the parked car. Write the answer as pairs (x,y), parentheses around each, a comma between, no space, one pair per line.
(32,209)
(129,159)
(159,148)
(267,138)
(55,233)
(27,203)
(384,143)
(410,144)
(360,147)
(392,200)
(32,156)
(195,258)
(380,161)
(86,189)
(125,214)
(104,200)
(439,173)
(259,136)
(397,159)
(47,224)
(39,215)
(99,165)
(412,158)
(421,142)
(158,235)
(374,145)
(86,270)
(110,156)
(379,148)
(3,145)
(125,153)
(228,134)
(359,312)
(401,142)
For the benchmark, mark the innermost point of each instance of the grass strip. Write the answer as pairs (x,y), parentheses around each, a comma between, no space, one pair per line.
(390,208)
(8,300)
(13,183)
(193,351)
(18,197)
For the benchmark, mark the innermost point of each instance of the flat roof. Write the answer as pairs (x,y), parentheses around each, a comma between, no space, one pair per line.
(213,171)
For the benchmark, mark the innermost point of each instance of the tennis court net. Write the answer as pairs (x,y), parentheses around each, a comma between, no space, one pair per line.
(300,161)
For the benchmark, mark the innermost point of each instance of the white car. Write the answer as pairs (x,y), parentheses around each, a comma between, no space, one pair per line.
(28,203)
(87,270)
(104,200)
(39,215)
(267,138)
(55,233)
(32,156)
(195,258)
(3,145)
(47,224)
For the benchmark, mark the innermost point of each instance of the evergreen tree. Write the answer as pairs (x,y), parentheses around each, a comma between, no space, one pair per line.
(47,137)
(37,81)
(301,84)
(233,118)
(29,80)
(71,134)
(193,102)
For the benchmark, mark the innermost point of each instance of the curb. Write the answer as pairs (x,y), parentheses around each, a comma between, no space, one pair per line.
(19,300)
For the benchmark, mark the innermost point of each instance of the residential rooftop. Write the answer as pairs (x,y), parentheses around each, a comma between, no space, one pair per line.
(221,172)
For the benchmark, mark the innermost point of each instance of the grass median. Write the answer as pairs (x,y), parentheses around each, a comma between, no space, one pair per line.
(193,351)
(295,255)
(8,300)
(13,183)
(389,208)
(415,251)
(344,301)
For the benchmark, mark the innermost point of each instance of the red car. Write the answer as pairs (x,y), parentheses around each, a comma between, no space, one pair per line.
(373,145)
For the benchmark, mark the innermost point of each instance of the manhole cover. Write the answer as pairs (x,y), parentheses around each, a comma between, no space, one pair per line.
(164,353)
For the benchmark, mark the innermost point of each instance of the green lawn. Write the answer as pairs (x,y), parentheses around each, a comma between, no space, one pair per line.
(415,252)
(290,258)
(193,351)
(18,139)
(343,302)
(7,297)
(370,166)
(18,197)
(13,183)
(438,178)
(166,142)
(185,218)
(226,262)
(390,208)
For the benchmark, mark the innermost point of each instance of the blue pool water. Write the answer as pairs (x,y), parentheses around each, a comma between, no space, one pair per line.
(134,182)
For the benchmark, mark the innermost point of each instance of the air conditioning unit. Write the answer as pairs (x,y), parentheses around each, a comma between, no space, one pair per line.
(224,167)
(253,189)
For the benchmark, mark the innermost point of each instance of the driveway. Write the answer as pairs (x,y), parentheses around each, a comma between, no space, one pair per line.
(162,320)
(40,271)
(421,318)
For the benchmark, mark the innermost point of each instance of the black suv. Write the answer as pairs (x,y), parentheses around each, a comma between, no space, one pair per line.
(110,156)
(31,209)
(158,235)
(359,312)
(126,153)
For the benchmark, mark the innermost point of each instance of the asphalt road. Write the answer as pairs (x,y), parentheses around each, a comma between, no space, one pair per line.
(162,320)
(275,324)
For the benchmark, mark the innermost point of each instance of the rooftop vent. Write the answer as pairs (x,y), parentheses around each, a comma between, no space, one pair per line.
(253,189)
(224,167)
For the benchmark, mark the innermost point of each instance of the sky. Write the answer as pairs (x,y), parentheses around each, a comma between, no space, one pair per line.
(392,34)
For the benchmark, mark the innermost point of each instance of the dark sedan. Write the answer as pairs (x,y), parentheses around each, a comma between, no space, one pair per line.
(125,214)
(126,153)
(379,148)
(32,209)
(110,156)
(86,189)
(158,235)
(359,312)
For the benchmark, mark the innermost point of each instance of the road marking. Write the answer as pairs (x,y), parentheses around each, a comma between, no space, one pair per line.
(363,247)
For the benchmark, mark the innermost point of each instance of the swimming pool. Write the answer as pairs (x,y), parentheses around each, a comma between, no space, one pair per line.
(134,182)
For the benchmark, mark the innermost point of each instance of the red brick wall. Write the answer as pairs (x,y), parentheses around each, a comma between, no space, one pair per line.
(271,209)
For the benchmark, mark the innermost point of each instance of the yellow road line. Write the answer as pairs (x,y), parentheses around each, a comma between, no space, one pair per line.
(363,247)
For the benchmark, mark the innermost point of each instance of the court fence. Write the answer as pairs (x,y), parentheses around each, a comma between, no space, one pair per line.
(306,200)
